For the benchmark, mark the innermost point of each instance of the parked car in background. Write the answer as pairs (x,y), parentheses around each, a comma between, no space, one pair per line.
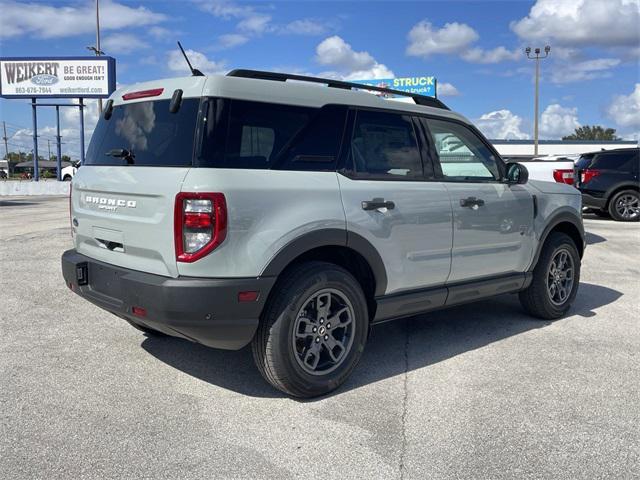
(67,173)
(609,183)
(550,168)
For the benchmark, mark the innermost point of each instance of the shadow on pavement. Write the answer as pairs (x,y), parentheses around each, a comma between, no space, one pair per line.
(15,203)
(442,335)
(592,238)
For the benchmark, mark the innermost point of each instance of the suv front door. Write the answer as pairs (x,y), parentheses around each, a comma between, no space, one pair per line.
(394,202)
(492,220)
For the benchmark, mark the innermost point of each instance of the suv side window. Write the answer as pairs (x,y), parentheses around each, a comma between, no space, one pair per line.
(620,161)
(249,135)
(463,156)
(315,146)
(384,146)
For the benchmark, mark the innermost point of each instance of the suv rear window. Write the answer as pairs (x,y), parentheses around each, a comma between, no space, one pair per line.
(622,161)
(149,132)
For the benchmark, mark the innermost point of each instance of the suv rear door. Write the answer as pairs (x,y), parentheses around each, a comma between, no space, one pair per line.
(492,221)
(391,200)
(122,203)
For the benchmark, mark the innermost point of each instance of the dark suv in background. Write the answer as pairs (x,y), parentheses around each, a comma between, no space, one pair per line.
(609,183)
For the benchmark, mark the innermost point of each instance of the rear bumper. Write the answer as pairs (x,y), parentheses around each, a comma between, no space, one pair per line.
(593,202)
(203,310)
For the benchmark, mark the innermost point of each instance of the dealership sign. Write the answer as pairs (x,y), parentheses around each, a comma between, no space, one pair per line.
(419,85)
(72,77)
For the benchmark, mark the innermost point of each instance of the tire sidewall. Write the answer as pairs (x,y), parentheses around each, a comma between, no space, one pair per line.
(282,329)
(557,243)
(612,206)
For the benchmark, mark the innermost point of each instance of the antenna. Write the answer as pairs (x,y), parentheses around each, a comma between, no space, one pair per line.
(194,71)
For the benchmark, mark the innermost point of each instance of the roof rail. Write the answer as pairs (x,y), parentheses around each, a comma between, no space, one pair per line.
(282,77)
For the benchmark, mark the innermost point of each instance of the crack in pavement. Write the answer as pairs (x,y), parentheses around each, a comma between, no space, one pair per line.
(405,401)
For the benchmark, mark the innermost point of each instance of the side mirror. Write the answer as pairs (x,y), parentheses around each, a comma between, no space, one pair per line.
(517,173)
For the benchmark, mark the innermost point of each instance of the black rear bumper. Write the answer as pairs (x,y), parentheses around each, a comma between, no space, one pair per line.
(203,310)
(592,201)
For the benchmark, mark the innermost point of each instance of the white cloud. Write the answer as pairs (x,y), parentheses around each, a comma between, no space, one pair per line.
(583,70)
(46,21)
(176,63)
(582,22)
(496,55)
(304,27)
(225,9)
(625,109)
(453,38)
(447,90)
(256,23)
(501,124)
(231,40)
(334,52)
(122,43)
(557,121)
(161,33)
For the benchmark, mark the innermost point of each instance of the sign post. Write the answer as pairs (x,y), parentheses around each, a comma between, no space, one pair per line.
(57,77)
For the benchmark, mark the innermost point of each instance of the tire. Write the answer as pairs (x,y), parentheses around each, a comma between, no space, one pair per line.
(297,303)
(538,299)
(624,206)
(67,178)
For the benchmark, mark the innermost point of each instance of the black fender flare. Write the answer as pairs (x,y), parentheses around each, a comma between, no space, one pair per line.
(625,185)
(564,216)
(326,238)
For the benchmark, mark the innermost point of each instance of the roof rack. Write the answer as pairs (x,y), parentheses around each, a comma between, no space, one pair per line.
(282,77)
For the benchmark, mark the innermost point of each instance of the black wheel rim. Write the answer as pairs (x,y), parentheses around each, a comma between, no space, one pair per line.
(560,277)
(323,332)
(628,206)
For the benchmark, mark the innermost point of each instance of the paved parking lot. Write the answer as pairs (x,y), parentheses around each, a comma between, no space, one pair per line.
(478,391)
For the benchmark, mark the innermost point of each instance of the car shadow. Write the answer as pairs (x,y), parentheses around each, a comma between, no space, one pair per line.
(15,203)
(592,238)
(433,337)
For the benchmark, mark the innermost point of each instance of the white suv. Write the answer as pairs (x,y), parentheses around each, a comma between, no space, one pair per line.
(249,208)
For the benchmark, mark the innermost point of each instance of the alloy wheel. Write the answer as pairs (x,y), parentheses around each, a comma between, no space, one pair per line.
(323,332)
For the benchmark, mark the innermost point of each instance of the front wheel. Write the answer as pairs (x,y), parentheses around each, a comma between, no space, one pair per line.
(555,279)
(313,330)
(625,206)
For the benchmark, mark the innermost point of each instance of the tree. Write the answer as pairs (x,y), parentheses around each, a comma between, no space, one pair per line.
(593,132)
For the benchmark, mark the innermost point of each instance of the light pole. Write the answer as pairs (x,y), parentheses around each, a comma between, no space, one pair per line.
(537,58)
(96,49)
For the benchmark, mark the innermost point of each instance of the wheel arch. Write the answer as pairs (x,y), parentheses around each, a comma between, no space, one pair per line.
(564,222)
(617,189)
(347,249)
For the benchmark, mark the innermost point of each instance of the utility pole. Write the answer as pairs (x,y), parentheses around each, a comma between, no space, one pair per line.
(49,147)
(98,52)
(537,58)
(6,146)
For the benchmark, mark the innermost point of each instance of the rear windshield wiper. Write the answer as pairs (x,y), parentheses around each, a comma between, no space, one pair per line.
(129,156)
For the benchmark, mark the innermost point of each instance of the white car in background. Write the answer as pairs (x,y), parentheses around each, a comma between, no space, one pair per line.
(550,168)
(68,173)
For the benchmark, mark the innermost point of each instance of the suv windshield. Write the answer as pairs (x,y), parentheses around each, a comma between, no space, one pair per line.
(144,134)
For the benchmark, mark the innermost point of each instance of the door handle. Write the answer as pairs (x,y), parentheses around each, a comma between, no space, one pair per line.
(377,203)
(472,202)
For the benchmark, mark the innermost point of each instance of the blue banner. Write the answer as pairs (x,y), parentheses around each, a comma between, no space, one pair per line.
(420,85)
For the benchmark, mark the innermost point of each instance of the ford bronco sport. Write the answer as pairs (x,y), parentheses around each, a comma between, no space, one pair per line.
(249,208)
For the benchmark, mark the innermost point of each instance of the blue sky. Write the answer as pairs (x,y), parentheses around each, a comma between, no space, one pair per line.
(474,48)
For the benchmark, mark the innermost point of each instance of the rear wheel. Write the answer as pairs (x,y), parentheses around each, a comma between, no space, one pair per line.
(625,206)
(555,279)
(313,330)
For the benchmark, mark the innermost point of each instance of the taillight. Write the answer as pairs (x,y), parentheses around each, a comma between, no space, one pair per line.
(563,176)
(588,175)
(200,224)
(143,94)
